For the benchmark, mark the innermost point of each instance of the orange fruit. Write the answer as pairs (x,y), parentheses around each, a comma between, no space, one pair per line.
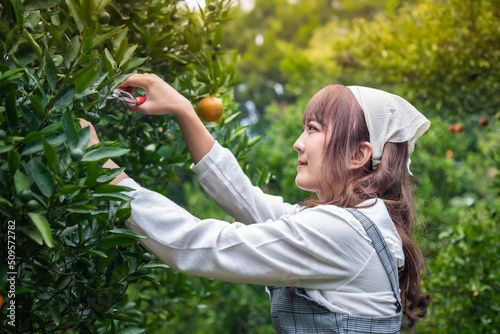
(451,127)
(1,301)
(210,108)
(449,154)
(483,121)
(459,127)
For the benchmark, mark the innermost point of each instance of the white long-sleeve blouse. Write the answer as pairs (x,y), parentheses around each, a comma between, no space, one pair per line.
(324,249)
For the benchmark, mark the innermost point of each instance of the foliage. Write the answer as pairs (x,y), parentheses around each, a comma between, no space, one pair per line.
(74,259)
(282,26)
(443,53)
(465,274)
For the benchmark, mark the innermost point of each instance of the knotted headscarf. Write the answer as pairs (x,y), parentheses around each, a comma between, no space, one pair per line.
(390,119)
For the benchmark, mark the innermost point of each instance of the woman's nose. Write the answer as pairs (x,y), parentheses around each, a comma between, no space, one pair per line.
(299,144)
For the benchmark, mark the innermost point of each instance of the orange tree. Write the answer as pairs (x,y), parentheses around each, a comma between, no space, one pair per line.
(72,258)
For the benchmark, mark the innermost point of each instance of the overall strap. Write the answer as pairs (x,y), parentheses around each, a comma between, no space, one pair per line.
(380,246)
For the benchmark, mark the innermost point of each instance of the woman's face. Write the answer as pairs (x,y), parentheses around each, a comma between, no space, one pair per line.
(311,147)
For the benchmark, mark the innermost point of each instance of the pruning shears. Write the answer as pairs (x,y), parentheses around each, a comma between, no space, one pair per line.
(125,95)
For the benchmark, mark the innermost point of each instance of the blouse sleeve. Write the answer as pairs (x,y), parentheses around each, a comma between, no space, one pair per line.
(223,179)
(308,249)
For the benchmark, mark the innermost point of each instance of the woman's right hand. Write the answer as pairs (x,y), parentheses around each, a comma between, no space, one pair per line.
(161,98)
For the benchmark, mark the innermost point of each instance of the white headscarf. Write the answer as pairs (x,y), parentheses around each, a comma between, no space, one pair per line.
(390,119)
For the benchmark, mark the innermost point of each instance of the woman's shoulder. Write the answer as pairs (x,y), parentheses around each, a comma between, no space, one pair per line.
(332,218)
(335,217)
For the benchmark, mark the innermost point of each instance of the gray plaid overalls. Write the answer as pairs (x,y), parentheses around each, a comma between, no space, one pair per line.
(293,311)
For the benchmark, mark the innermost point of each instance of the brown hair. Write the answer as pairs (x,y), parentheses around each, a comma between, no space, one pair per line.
(341,116)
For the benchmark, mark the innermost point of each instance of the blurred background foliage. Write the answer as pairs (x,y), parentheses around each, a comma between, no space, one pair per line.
(441,55)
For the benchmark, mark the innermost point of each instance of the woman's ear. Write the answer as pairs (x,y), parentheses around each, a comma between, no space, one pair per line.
(361,156)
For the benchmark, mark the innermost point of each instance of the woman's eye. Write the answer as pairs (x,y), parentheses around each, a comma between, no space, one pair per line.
(310,127)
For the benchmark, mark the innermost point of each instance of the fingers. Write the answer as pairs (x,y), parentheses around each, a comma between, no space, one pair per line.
(138,80)
(94,139)
(137,108)
(84,123)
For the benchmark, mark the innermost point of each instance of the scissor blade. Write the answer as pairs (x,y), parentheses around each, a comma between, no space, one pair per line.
(127,100)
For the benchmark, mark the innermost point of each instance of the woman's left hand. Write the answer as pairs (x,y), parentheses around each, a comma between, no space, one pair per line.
(94,139)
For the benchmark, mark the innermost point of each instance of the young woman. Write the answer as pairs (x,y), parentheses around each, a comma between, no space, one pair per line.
(345,261)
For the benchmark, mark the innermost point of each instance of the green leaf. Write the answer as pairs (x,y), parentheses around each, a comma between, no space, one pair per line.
(5,148)
(51,71)
(255,140)
(37,82)
(134,277)
(116,240)
(43,227)
(134,62)
(218,35)
(128,54)
(155,266)
(34,45)
(124,212)
(105,262)
(30,118)
(110,64)
(83,138)
(43,178)
(52,156)
(51,128)
(173,57)
(114,173)
(3,201)
(113,197)
(65,97)
(56,315)
(122,317)
(14,159)
(88,7)
(104,153)
(11,110)
(74,9)
(71,189)
(54,139)
(232,117)
(263,177)
(92,173)
(69,128)
(54,32)
(101,38)
(32,233)
(83,82)
(127,233)
(41,4)
(238,133)
(102,4)
(20,181)
(110,188)
(10,75)
(18,9)
(95,252)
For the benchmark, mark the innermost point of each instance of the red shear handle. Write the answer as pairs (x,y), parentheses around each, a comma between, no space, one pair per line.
(140,100)
(129,89)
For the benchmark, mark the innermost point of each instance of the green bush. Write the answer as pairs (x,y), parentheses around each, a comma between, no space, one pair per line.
(74,259)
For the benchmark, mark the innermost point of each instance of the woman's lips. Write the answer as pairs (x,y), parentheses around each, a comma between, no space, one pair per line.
(301,164)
